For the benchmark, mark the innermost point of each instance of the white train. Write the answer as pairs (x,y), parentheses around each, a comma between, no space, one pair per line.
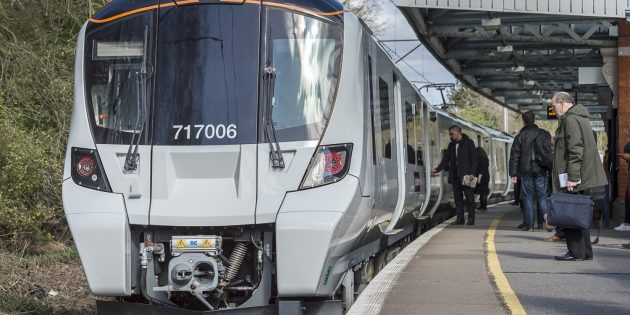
(251,155)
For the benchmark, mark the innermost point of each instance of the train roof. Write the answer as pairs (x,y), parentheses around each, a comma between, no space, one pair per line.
(121,8)
(494,133)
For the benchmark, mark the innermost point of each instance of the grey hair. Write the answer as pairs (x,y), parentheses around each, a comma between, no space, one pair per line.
(563,97)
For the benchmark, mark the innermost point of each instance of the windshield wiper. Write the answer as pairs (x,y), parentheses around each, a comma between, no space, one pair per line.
(269,77)
(131,159)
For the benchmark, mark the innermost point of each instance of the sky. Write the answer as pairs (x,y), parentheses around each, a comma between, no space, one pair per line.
(420,65)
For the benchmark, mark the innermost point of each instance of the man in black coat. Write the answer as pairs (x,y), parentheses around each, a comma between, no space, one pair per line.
(461,160)
(530,160)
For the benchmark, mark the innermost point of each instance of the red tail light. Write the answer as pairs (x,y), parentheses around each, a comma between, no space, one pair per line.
(335,162)
(87,170)
(85,166)
(330,164)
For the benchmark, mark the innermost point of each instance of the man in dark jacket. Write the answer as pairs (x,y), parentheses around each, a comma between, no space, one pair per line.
(530,160)
(575,153)
(461,160)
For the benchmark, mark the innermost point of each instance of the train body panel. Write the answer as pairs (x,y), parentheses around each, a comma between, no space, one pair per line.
(195,185)
(80,134)
(99,223)
(287,140)
(274,184)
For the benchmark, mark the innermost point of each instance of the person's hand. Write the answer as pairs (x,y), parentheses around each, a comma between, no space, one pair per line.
(434,171)
(514,180)
(625,156)
(571,185)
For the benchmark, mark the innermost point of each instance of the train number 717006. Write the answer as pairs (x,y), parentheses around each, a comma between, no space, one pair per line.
(209,131)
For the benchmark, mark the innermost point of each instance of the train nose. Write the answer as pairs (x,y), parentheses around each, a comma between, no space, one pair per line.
(203,185)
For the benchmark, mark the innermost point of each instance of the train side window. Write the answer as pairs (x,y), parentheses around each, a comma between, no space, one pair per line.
(419,126)
(371,87)
(383,92)
(410,132)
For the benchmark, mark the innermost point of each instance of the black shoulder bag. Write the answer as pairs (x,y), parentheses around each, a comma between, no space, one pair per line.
(572,211)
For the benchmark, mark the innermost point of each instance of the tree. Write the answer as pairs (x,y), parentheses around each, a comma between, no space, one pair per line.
(475,108)
(368,11)
(37,44)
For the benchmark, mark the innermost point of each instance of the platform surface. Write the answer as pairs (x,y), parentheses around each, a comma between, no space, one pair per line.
(449,274)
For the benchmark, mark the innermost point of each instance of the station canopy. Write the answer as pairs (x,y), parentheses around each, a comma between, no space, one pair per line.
(519,52)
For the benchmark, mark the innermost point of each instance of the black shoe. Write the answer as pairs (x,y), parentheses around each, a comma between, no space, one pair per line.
(588,258)
(525,228)
(626,245)
(470,222)
(484,209)
(458,222)
(540,226)
(521,226)
(567,257)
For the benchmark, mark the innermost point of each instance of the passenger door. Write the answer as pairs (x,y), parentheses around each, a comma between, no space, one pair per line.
(432,137)
(386,172)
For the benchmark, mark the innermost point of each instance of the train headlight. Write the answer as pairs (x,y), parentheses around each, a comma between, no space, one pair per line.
(330,164)
(87,170)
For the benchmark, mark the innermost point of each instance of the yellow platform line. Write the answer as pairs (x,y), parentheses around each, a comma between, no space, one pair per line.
(494,266)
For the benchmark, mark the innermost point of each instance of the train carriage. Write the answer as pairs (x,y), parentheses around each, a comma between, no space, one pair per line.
(245,155)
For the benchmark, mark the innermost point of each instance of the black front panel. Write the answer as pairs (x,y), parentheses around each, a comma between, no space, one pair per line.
(207,75)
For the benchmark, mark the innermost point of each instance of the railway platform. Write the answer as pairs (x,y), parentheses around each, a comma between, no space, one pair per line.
(494,268)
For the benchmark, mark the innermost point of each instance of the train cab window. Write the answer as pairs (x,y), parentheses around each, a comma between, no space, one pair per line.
(384,99)
(306,55)
(113,59)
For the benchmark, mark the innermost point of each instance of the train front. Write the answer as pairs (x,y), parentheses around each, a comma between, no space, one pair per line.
(192,122)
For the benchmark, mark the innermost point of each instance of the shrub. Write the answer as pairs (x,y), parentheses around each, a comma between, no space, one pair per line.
(38,40)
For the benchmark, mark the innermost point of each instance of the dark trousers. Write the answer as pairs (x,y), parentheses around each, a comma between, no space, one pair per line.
(560,232)
(483,201)
(459,191)
(579,242)
(627,202)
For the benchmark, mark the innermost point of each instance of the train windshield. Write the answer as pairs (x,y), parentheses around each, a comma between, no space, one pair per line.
(113,60)
(206,70)
(305,53)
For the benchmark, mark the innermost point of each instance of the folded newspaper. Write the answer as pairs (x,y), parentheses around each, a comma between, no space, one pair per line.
(469,181)
(564,178)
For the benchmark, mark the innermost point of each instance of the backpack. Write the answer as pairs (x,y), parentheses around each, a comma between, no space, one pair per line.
(542,150)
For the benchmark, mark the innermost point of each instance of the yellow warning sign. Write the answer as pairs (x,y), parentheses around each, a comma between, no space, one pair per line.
(181,244)
(206,244)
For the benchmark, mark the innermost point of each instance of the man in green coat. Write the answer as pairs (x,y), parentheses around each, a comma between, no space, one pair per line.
(575,153)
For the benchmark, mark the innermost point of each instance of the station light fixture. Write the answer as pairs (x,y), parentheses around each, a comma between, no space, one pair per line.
(491,24)
(505,50)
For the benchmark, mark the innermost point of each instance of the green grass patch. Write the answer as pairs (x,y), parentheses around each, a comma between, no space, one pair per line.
(66,255)
(13,303)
